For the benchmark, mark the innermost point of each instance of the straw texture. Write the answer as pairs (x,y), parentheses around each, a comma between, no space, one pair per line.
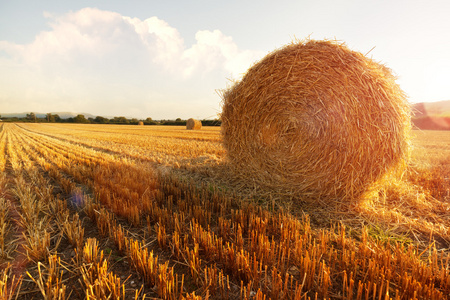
(193,124)
(317,119)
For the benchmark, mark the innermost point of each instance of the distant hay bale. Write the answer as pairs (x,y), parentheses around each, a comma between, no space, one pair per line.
(193,124)
(141,123)
(316,119)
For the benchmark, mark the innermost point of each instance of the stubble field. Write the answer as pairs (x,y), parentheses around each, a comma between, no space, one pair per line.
(134,212)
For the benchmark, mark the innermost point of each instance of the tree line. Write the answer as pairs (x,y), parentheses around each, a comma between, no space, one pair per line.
(55,118)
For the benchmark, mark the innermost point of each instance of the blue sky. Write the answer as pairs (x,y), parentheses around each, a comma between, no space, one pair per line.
(167,59)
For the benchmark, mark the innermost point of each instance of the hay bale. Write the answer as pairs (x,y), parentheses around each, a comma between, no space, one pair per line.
(141,123)
(317,119)
(193,124)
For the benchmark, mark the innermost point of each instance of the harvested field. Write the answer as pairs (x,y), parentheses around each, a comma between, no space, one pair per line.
(134,212)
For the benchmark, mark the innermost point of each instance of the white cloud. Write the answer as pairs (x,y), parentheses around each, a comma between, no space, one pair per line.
(94,57)
(98,35)
(216,50)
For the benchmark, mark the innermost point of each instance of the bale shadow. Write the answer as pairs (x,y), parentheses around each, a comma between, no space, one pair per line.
(393,210)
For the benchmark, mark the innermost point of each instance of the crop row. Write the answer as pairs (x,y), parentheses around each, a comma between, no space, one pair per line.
(163,149)
(41,224)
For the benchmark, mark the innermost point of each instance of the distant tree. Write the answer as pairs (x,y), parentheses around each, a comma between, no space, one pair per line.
(101,120)
(10,119)
(31,117)
(149,121)
(120,120)
(80,119)
(57,118)
(134,121)
(177,122)
(215,122)
(51,118)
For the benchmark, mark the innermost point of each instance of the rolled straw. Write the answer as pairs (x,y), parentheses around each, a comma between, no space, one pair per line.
(316,118)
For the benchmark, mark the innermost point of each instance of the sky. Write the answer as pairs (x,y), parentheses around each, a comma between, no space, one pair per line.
(170,59)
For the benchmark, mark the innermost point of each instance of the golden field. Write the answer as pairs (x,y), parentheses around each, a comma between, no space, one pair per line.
(153,212)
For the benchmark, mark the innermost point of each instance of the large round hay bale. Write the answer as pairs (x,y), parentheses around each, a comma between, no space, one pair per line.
(193,124)
(317,119)
(141,123)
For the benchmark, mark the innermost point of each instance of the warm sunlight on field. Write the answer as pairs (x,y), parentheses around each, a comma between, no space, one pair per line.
(134,212)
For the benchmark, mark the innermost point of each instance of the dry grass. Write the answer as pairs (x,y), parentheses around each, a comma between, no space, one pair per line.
(49,279)
(9,284)
(316,118)
(4,226)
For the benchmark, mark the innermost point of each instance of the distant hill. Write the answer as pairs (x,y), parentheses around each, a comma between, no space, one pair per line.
(439,108)
(432,115)
(66,115)
(62,115)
